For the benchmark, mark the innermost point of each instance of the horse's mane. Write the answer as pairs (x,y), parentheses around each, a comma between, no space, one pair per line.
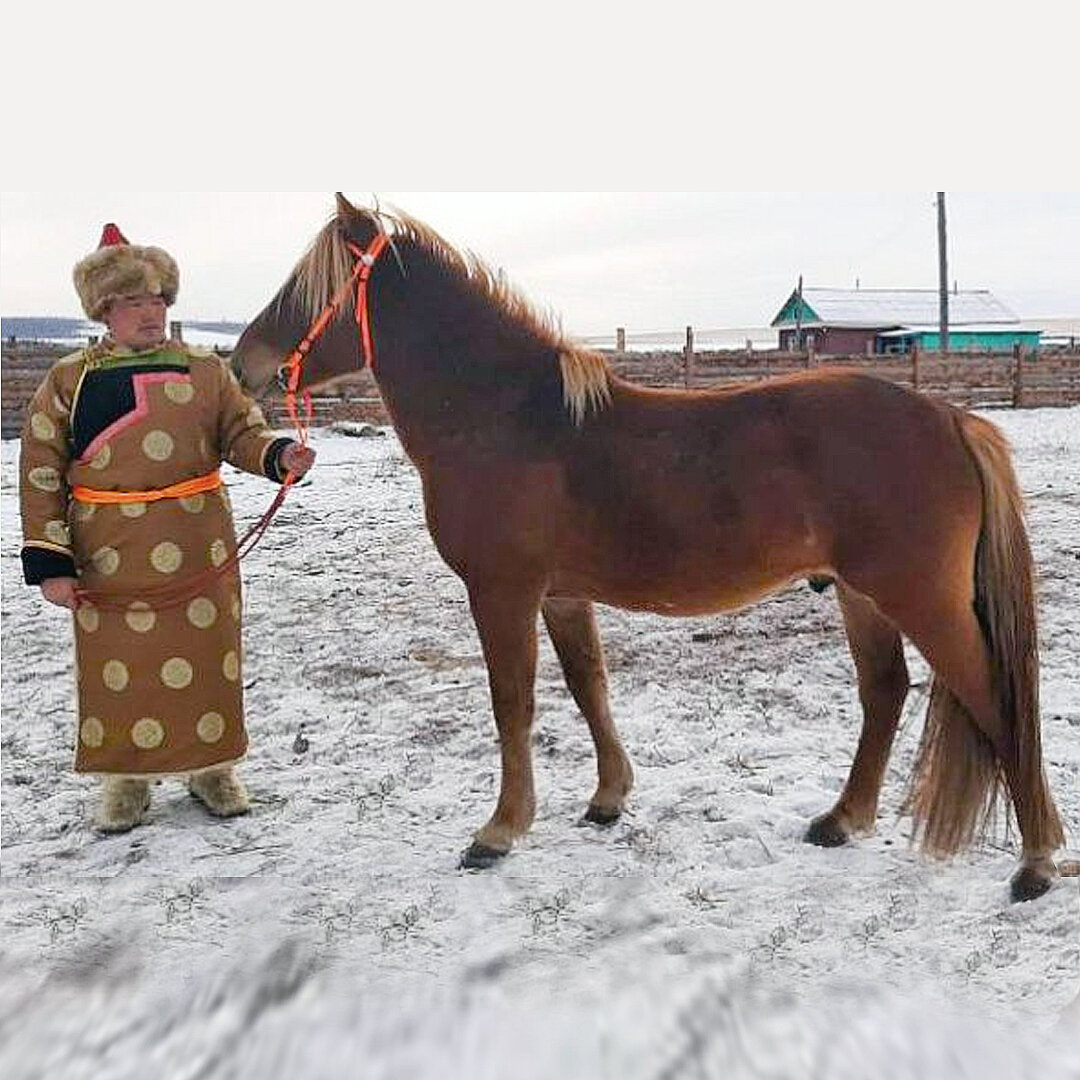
(327,264)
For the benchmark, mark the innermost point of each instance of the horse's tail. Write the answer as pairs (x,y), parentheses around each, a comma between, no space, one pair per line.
(959,771)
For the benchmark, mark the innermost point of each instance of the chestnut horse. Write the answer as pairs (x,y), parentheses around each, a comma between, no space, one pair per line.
(550,484)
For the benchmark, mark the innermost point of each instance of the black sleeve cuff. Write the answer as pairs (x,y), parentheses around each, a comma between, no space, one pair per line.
(41,563)
(272,461)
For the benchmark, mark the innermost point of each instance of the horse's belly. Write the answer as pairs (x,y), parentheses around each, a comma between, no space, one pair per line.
(681,594)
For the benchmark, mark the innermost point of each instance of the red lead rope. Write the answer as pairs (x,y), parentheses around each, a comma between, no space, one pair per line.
(165,596)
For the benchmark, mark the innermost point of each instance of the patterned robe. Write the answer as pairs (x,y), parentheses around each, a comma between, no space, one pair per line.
(159,685)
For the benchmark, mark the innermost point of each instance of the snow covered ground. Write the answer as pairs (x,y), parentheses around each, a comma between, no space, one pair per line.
(331,934)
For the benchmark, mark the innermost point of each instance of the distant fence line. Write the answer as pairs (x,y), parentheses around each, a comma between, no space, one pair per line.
(1021,379)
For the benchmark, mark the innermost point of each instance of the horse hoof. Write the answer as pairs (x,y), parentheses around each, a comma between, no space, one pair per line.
(1029,883)
(480,857)
(602,815)
(825,832)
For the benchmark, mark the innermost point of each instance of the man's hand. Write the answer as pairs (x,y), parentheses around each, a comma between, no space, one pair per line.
(61,591)
(297,459)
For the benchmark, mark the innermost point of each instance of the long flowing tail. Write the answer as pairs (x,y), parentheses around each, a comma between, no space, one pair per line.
(959,771)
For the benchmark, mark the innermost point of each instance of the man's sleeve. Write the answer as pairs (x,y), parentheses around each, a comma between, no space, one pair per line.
(43,490)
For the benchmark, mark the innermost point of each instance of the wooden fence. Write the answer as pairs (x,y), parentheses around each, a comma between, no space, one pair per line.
(973,380)
(1022,379)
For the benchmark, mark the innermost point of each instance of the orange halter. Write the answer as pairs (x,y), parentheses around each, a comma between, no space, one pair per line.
(289,372)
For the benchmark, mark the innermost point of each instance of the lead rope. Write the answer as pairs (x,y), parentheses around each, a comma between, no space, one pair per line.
(170,595)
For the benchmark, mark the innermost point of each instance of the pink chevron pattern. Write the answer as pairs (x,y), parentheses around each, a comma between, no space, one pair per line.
(141,384)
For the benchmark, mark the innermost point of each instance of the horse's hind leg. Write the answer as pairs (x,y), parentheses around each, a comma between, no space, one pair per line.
(505,618)
(971,745)
(883,685)
(572,627)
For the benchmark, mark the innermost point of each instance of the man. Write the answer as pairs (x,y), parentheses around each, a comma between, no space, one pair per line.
(126,523)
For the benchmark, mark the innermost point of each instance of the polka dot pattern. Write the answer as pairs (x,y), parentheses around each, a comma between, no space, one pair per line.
(211,727)
(115,675)
(166,557)
(147,733)
(176,673)
(230,666)
(92,732)
(158,445)
(44,478)
(160,687)
(180,393)
(56,532)
(201,612)
(139,617)
(42,427)
(106,560)
(102,458)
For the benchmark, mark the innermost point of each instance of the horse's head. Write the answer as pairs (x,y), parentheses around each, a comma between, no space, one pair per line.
(319,276)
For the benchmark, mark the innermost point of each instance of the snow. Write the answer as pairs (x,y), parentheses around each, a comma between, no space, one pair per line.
(331,933)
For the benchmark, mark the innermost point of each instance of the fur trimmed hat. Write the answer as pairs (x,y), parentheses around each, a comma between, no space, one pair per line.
(118,268)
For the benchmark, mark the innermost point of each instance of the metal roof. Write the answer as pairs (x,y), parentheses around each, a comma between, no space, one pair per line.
(873,308)
(968,328)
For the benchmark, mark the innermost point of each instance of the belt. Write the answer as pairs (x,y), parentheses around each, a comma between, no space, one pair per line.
(182,490)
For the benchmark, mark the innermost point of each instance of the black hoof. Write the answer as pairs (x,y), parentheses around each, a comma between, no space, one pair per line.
(602,815)
(480,857)
(825,832)
(1029,883)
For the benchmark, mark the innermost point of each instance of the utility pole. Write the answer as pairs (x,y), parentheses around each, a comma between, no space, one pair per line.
(798,316)
(943,276)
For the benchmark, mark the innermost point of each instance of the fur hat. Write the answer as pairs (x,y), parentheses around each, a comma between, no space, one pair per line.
(118,268)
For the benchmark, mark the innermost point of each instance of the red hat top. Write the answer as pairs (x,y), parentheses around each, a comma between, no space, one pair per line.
(111,236)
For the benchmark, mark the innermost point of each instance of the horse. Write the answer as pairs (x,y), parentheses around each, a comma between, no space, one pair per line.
(551,484)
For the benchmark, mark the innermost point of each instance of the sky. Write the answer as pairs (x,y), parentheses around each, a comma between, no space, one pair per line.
(646,261)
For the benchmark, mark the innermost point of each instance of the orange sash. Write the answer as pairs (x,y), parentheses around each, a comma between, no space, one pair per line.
(182,490)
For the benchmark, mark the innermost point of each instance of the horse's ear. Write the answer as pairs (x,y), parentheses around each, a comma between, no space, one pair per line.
(345,209)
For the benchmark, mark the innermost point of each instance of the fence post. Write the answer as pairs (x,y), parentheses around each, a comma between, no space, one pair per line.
(1018,376)
(688,356)
(915,366)
(176,331)
(620,339)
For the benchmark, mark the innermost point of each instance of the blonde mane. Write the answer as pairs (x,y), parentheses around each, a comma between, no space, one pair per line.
(327,265)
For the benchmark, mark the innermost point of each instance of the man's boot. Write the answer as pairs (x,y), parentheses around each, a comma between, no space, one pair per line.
(123,804)
(221,791)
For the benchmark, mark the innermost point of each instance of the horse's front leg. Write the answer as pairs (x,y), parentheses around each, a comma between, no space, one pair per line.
(505,617)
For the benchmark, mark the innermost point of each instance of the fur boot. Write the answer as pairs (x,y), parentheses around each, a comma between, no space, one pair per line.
(123,804)
(221,791)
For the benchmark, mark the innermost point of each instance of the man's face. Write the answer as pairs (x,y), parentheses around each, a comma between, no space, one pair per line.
(137,322)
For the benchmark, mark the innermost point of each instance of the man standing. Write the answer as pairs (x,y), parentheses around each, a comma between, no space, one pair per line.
(127,523)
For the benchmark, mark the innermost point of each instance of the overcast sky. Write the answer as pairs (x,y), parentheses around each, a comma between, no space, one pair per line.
(646,261)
